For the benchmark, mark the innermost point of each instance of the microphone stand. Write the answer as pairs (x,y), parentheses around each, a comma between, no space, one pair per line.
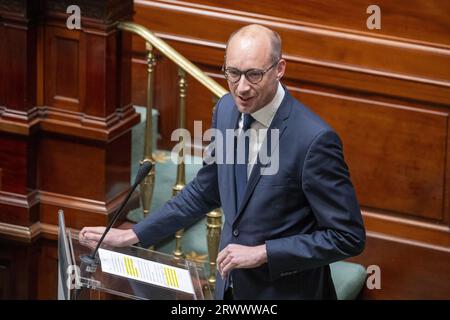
(144,169)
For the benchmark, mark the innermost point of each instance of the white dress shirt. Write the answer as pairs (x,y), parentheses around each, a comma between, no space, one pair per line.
(263,118)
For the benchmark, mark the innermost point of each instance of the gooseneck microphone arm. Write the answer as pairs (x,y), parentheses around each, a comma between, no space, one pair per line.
(144,169)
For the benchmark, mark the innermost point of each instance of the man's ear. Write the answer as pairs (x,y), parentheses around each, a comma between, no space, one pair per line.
(281,68)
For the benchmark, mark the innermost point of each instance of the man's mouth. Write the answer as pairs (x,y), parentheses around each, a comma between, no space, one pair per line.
(245,99)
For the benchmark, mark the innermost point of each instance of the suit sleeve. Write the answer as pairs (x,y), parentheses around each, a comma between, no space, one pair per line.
(340,230)
(196,199)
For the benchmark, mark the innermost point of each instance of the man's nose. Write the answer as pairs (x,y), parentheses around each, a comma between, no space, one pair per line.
(243,84)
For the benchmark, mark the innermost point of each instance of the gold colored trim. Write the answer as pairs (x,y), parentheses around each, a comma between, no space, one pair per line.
(173,55)
(214,229)
(181,175)
(148,184)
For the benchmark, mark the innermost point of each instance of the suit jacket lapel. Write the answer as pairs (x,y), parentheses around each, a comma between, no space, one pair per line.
(279,122)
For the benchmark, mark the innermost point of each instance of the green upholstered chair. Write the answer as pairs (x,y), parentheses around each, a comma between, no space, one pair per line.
(348,278)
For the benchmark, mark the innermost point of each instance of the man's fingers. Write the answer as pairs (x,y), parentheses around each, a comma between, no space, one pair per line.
(227,269)
(88,243)
(222,254)
(92,236)
(219,266)
(225,262)
(93,229)
(220,257)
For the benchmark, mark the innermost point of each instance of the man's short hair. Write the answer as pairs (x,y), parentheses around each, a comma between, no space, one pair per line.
(275,41)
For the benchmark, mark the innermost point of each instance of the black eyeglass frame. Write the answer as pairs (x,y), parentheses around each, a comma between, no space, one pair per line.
(263,72)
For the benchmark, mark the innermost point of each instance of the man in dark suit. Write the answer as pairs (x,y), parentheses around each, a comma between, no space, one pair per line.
(282,227)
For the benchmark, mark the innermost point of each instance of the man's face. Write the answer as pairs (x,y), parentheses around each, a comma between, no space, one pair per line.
(253,53)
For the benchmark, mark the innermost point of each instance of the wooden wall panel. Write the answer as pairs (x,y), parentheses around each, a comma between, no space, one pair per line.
(166,98)
(386,92)
(5,282)
(64,79)
(88,190)
(197,111)
(139,82)
(101,70)
(62,160)
(2,66)
(407,271)
(18,262)
(65,122)
(400,19)
(396,153)
(66,67)
(18,203)
(317,46)
(19,90)
(48,267)
(14,178)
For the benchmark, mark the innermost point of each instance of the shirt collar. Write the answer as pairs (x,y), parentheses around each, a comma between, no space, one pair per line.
(266,113)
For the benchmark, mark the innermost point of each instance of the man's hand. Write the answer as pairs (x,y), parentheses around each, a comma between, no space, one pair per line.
(114,237)
(235,256)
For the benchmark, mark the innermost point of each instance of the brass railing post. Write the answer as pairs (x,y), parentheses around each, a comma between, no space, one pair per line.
(147,185)
(181,175)
(213,231)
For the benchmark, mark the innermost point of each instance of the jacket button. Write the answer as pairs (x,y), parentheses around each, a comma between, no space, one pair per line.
(235,232)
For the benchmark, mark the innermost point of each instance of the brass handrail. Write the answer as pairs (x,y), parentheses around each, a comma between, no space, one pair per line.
(214,218)
(173,55)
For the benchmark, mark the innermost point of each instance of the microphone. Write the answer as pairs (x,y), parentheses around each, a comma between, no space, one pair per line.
(144,169)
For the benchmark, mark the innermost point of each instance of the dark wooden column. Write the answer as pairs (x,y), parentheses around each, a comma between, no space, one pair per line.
(65,122)
(84,151)
(19,118)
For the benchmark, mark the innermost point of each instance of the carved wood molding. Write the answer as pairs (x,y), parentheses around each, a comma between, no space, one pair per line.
(13,6)
(20,209)
(28,234)
(19,10)
(19,122)
(80,212)
(405,230)
(93,12)
(19,200)
(68,122)
(81,125)
(19,233)
(49,201)
(223,12)
(74,202)
(104,11)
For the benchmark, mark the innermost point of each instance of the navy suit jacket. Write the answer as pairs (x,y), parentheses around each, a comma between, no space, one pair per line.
(306,214)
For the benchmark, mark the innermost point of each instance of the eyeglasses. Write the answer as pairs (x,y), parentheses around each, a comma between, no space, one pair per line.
(252,75)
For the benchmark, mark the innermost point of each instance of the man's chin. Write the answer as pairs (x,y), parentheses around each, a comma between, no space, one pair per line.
(245,109)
